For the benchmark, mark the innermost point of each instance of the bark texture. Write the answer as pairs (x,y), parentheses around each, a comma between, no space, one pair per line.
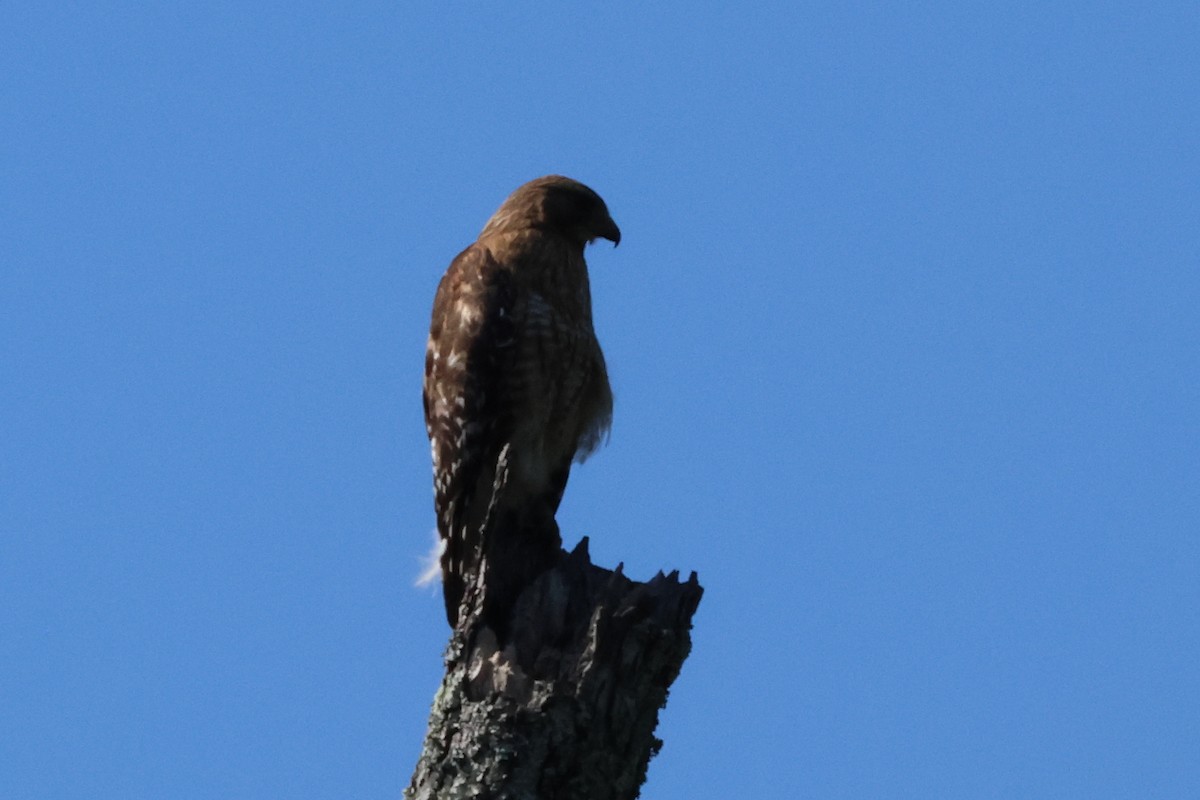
(565,708)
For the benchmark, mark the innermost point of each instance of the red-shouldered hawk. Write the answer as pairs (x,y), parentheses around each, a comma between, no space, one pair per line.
(514,375)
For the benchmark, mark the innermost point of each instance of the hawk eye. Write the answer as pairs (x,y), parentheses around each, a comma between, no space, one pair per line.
(568,207)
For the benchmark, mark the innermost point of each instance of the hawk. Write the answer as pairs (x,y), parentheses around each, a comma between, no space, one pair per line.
(516,386)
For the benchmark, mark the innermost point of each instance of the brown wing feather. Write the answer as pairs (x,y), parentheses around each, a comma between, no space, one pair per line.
(470,351)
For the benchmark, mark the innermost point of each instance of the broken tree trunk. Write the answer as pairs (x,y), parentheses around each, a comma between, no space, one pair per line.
(566,708)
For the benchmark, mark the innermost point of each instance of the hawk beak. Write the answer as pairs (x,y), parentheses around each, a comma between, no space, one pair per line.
(610,231)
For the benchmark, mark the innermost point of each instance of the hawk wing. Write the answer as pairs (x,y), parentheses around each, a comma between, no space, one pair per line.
(470,352)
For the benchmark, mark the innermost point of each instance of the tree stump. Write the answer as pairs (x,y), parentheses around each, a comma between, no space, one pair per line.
(565,708)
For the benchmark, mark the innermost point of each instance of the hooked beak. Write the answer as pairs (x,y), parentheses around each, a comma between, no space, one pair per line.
(610,231)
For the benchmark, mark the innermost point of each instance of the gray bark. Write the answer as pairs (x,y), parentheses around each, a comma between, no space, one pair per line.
(566,708)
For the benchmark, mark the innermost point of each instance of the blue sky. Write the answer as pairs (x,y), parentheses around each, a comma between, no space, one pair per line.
(902,332)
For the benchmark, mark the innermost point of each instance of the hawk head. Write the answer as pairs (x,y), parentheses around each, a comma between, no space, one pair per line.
(557,205)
